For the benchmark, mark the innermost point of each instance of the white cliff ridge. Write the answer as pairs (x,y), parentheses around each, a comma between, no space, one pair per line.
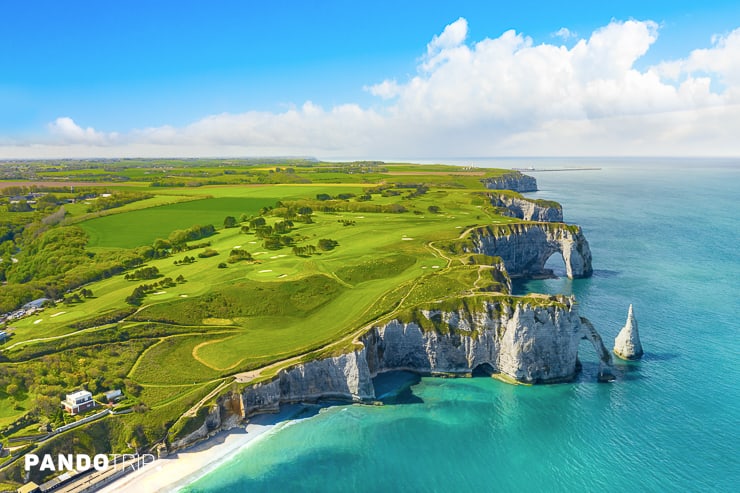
(627,343)
(523,341)
(525,248)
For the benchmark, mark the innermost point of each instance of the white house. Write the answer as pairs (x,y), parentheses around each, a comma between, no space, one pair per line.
(78,402)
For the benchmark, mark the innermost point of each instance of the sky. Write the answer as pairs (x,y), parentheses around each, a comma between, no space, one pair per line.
(368,80)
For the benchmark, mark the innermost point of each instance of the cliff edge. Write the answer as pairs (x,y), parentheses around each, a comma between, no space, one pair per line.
(515,181)
(530,340)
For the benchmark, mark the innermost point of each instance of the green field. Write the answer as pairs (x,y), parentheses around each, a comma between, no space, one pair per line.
(143,226)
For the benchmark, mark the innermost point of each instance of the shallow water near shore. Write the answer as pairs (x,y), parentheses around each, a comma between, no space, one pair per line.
(664,236)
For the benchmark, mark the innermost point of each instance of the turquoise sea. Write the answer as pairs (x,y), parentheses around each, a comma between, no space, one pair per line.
(665,236)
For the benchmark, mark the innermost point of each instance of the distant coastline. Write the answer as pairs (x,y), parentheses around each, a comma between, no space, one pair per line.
(535,170)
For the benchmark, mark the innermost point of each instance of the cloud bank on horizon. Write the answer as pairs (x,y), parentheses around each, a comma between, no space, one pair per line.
(504,96)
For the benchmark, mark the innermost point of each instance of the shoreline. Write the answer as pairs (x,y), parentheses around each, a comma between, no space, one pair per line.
(177,471)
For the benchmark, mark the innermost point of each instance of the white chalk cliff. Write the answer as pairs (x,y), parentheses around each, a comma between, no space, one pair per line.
(627,344)
(529,342)
(515,181)
(515,205)
(525,247)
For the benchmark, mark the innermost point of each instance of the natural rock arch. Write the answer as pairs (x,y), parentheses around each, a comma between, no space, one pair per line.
(525,248)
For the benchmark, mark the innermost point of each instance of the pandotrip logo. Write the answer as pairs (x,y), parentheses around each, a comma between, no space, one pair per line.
(84,462)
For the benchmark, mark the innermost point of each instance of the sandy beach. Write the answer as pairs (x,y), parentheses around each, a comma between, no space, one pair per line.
(182,468)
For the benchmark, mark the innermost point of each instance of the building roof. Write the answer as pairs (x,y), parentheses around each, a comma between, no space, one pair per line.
(35,303)
(28,487)
(79,393)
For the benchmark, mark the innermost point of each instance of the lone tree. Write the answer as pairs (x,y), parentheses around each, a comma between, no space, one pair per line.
(327,244)
(256,222)
(230,222)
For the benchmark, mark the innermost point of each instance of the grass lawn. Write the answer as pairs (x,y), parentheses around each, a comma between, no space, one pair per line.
(171,362)
(143,226)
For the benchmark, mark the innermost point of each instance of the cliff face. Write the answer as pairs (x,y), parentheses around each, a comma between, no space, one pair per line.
(530,342)
(344,377)
(525,248)
(527,209)
(515,181)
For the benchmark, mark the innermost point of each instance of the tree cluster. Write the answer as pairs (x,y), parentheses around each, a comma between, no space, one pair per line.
(207,253)
(143,274)
(237,255)
(117,199)
(327,244)
(185,260)
(180,237)
(139,293)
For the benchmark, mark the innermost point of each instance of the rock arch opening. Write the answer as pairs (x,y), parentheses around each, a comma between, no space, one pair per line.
(554,265)
(483,370)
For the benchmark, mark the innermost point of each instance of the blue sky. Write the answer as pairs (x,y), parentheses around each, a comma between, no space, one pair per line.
(92,78)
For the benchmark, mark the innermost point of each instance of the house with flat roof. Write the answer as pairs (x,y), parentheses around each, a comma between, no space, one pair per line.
(113,395)
(78,402)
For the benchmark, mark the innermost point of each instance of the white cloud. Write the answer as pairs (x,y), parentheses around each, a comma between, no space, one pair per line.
(387,89)
(564,33)
(68,132)
(721,60)
(497,96)
(446,43)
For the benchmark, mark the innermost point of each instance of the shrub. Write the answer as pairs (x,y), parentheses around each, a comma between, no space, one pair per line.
(208,252)
(327,244)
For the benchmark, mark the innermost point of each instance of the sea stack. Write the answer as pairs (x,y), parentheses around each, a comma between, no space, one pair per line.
(627,344)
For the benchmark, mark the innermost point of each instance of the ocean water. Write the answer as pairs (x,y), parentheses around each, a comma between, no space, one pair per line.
(665,236)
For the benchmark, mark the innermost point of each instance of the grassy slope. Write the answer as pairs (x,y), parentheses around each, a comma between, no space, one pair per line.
(373,237)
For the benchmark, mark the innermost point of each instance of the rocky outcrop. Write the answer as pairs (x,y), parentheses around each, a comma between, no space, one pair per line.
(627,344)
(605,358)
(527,209)
(211,423)
(343,377)
(525,247)
(528,343)
(515,181)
